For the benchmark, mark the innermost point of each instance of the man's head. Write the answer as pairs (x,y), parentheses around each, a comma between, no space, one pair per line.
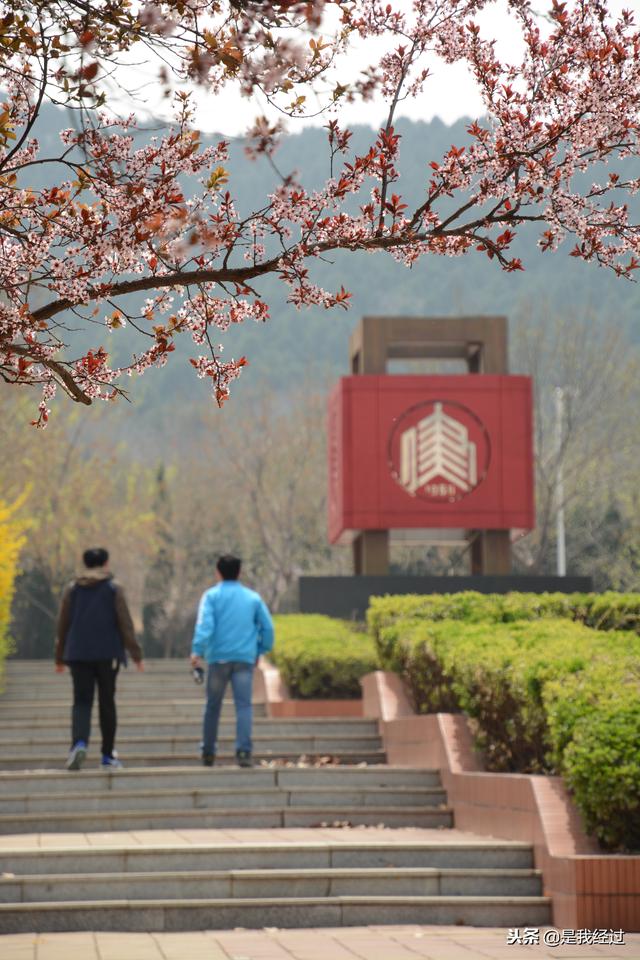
(95,557)
(228,567)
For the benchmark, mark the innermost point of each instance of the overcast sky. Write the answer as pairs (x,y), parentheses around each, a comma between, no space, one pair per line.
(449,94)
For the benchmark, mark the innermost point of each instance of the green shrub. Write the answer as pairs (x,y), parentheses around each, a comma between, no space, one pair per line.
(601,766)
(543,696)
(606,611)
(594,726)
(495,674)
(321,658)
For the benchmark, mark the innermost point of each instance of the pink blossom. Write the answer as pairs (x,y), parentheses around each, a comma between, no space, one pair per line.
(117,221)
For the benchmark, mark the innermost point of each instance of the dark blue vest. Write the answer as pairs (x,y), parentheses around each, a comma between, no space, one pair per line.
(93,629)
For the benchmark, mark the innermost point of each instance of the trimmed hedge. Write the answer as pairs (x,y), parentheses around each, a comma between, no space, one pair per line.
(601,768)
(602,611)
(321,658)
(547,695)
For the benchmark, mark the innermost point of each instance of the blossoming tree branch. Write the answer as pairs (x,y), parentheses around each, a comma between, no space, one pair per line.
(118,222)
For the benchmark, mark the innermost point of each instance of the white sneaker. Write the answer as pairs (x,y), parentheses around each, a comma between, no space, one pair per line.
(77,756)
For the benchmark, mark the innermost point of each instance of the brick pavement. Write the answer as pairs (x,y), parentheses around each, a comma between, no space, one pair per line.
(349,943)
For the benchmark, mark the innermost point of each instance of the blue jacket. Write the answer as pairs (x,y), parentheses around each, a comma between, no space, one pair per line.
(233,624)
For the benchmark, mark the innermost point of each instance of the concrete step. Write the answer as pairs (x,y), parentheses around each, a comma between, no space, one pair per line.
(45,676)
(286,912)
(128,691)
(45,761)
(244,797)
(57,713)
(220,817)
(24,750)
(449,851)
(44,732)
(64,694)
(195,777)
(155,878)
(141,689)
(20,665)
(242,884)
(13,695)
(32,705)
(180,671)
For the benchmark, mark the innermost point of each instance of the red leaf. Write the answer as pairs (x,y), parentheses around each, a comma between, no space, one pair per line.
(89,72)
(514,265)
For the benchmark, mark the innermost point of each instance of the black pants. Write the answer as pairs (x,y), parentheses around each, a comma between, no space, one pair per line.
(86,675)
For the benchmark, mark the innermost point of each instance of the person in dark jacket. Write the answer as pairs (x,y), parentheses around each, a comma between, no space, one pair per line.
(94,633)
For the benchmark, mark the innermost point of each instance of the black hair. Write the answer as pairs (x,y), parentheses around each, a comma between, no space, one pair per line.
(228,567)
(96,557)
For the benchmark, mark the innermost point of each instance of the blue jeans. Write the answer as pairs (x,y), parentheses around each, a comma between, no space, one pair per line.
(218,676)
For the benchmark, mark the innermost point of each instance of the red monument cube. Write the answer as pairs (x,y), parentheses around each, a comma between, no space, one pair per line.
(430,452)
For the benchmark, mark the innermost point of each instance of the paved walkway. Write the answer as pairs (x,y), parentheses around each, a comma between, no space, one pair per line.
(186,838)
(351,943)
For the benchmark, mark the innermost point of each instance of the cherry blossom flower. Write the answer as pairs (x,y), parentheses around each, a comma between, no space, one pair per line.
(117,221)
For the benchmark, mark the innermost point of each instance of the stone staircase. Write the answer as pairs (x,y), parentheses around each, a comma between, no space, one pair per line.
(166,844)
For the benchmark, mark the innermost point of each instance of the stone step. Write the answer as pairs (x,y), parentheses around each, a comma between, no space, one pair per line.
(243,884)
(220,817)
(127,698)
(42,672)
(450,851)
(17,666)
(45,761)
(147,866)
(61,692)
(58,713)
(196,778)
(125,686)
(44,732)
(286,912)
(184,799)
(155,700)
(272,744)
(63,698)
(27,680)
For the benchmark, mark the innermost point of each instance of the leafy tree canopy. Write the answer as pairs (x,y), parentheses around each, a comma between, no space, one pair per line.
(119,221)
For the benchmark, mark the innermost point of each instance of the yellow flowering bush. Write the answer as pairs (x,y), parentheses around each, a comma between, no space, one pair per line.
(11,542)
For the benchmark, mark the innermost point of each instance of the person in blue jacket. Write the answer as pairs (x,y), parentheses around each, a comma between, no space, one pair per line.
(233,629)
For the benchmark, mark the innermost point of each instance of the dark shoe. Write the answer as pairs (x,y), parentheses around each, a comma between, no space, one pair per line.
(111,762)
(77,755)
(243,758)
(208,759)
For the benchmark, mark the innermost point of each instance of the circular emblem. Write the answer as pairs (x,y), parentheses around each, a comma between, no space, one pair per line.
(439,450)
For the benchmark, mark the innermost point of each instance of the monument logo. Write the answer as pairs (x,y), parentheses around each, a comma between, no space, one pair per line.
(439,450)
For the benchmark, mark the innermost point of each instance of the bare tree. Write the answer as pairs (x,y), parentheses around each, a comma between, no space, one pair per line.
(83,489)
(591,359)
